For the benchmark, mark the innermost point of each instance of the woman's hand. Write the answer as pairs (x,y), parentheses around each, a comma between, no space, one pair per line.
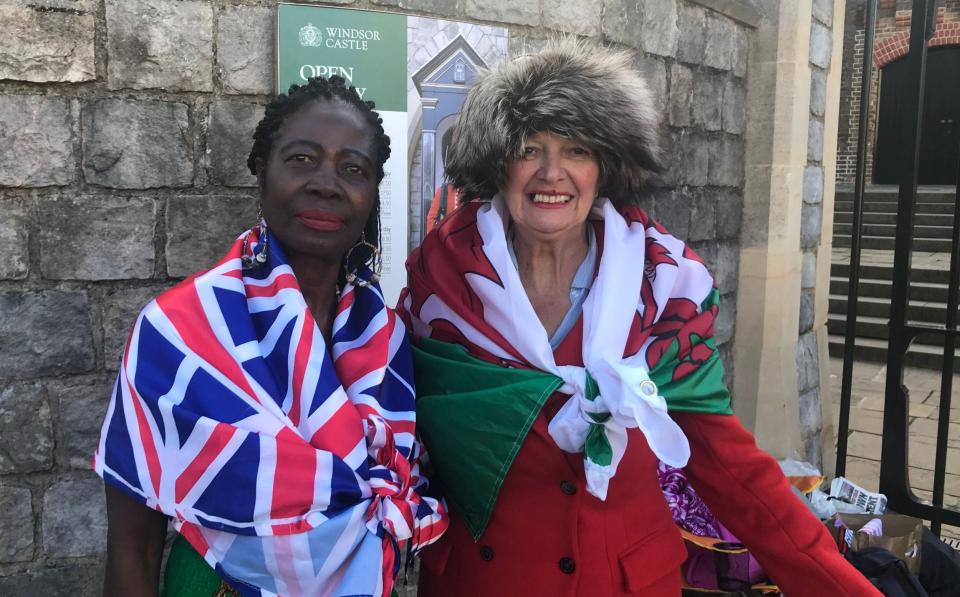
(135,538)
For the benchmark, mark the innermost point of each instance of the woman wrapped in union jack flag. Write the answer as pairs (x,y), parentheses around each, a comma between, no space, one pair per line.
(564,353)
(266,406)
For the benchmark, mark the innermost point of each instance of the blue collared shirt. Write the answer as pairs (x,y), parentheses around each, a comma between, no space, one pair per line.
(582,281)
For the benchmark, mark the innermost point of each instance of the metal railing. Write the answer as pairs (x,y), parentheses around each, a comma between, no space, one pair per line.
(894,473)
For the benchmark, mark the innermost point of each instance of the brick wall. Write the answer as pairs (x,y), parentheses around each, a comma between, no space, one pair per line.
(891,42)
(124,130)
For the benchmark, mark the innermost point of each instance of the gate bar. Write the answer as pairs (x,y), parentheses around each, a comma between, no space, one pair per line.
(853,285)
(894,478)
(946,381)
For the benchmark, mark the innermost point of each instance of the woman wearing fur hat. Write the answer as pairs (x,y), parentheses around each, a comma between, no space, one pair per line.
(564,348)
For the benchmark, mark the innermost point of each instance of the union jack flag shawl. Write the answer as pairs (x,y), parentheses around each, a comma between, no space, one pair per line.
(290,467)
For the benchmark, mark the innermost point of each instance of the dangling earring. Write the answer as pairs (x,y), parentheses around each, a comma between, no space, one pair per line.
(374,263)
(258,253)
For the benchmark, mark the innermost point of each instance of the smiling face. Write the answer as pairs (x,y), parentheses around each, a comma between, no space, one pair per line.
(550,189)
(320,180)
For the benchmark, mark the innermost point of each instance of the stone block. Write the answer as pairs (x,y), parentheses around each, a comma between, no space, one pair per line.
(692,43)
(709,254)
(821,45)
(726,320)
(654,71)
(818,91)
(229,139)
(47,46)
(808,270)
(80,580)
(726,268)
(504,11)
(726,161)
(16,523)
(120,309)
(734,107)
(26,429)
(808,364)
(97,238)
(673,142)
(673,212)
(83,404)
(815,140)
(726,355)
(523,44)
(707,104)
(810,426)
(201,229)
(695,159)
(660,31)
(130,144)
(807,311)
(160,44)
(75,517)
(36,141)
(681,95)
(245,42)
(703,218)
(434,7)
(741,46)
(823,11)
(720,50)
(44,332)
(622,22)
(810,223)
(729,213)
(581,18)
(812,184)
(14,240)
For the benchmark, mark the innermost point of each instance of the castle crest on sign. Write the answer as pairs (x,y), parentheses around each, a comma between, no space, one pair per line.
(311,36)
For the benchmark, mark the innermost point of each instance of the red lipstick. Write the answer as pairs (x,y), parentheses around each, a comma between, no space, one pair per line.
(318,219)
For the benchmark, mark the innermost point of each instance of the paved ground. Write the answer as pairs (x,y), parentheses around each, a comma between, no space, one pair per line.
(866,420)
(921,259)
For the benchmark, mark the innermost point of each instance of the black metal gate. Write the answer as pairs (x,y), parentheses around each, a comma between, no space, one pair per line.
(894,478)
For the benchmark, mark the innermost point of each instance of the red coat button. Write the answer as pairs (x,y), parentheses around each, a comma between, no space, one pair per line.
(568,487)
(486,553)
(567,565)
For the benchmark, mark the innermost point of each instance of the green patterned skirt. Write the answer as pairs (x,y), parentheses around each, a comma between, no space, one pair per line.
(189,575)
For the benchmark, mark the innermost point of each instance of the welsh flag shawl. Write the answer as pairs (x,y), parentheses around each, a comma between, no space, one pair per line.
(288,463)
(484,366)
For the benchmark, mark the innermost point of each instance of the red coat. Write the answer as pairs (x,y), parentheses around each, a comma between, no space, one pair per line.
(548,537)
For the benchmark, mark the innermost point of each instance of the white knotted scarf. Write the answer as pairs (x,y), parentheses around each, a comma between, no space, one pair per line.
(625,390)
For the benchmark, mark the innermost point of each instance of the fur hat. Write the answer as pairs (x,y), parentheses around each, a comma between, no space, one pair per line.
(571,88)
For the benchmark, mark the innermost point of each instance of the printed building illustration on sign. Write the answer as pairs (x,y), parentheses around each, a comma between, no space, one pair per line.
(442,61)
(443,84)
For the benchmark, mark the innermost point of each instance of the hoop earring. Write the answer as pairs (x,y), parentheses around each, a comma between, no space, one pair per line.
(258,254)
(374,263)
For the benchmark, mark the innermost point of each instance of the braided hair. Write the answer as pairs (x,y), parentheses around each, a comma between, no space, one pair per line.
(320,89)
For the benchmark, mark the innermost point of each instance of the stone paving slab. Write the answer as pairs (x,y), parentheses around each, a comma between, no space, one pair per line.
(866,428)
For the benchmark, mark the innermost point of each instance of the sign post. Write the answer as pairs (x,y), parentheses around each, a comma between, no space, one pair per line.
(369,50)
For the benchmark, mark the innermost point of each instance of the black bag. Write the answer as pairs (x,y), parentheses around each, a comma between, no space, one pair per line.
(939,568)
(887,572)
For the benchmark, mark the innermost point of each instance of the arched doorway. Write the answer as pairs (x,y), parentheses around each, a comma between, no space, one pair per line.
(940,132)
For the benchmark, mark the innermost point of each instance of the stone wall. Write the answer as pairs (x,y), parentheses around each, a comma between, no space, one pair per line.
(124,129)
(891,37)
(808,355)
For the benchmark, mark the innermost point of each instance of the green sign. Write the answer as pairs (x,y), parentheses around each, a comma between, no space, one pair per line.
(368,49)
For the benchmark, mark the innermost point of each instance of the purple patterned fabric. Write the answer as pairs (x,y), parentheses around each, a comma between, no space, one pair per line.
(686,507)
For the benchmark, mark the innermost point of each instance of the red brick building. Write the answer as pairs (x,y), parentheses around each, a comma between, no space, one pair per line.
(941,129)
